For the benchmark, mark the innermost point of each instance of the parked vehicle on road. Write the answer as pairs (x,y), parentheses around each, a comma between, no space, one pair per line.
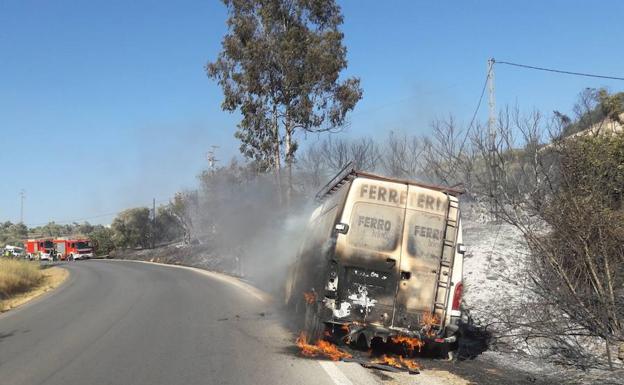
(13,251)
(74,248)
(382,257)
(40,249)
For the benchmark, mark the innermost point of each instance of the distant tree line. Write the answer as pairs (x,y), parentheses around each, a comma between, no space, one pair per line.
(131,228)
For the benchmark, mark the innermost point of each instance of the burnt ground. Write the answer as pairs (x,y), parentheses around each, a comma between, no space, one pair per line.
(481,371)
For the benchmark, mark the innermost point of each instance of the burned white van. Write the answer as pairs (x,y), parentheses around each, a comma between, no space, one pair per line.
(382,257)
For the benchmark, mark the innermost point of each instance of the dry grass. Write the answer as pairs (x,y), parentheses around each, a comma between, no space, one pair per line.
(52,278)
(18,276)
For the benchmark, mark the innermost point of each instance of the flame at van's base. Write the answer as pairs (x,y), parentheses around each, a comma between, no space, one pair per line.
(320,348)
(410,343)
(310,297)
(326,349)
(397,362)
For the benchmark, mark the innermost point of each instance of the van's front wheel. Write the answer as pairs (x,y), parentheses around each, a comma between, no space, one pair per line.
(313,327)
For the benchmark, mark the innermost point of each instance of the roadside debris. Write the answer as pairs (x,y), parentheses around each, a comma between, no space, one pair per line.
(388,363)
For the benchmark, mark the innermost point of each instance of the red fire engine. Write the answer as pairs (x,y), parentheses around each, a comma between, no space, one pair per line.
(42,249)
(74,248)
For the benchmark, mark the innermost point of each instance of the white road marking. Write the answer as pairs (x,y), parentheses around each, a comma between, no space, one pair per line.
(334,373)
(254,291)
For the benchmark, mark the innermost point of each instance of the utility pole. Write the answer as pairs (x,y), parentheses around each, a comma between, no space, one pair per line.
(492,137)
(212,159)
(153,222)
(22,195)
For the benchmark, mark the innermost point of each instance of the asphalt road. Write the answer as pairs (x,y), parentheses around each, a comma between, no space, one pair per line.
(126,323)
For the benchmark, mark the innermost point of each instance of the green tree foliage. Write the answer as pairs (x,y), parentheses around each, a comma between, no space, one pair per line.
(584,251)
(12,233)
(280,67)
(103,238)
(180,209)
(131,228)
(593,107)
(167,226)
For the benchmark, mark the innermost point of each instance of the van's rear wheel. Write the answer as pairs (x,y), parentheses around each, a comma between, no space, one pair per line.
(313,327)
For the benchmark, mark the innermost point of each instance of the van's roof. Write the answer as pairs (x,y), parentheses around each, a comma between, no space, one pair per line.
(349,173)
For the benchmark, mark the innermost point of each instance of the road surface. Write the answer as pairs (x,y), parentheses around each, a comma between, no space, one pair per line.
(127,323)
(132,323)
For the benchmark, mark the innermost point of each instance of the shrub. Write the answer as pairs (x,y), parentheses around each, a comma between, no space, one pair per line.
(17,276)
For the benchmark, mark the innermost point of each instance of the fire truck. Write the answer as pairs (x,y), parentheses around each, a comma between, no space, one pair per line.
(74,248)
(41,249)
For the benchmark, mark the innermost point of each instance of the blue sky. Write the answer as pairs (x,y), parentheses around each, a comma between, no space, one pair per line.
(105,105)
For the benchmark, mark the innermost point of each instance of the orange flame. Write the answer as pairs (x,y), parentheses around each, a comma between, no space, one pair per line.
(310,297)
(320,348)
(411,343)
(430,320)
(397,362)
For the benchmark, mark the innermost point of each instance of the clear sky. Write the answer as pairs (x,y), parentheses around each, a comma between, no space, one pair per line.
(105,105)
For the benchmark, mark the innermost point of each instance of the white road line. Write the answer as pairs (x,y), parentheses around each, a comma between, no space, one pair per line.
(334,373)
(252,290)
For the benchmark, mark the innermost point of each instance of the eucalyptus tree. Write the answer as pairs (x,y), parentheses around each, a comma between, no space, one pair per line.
(280,67)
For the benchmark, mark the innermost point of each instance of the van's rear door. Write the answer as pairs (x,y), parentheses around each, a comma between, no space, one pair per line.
(370,251)
(423,235)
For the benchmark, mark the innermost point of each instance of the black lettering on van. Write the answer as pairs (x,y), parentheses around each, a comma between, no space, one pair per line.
(374,223)
(427,232)
(372,192)
(403,198)
(429,202)
(392,196)
(381,194)
(421,201)
(363,190)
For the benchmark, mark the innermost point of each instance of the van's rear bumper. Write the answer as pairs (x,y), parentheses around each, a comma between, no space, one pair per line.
(448,334)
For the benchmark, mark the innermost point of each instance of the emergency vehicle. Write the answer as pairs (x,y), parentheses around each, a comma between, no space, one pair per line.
(13,251)
(74,248)
(41,249)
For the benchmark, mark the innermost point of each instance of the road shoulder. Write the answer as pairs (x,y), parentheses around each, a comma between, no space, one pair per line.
(53,277)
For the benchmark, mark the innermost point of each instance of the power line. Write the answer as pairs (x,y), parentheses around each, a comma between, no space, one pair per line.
(91,217)
(398,101)
(559,71)
(476,111)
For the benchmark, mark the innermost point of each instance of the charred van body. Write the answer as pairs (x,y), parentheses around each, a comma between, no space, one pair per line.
(382,257)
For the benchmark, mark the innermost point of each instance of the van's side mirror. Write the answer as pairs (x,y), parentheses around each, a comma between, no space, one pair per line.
(461,248)
(342,228)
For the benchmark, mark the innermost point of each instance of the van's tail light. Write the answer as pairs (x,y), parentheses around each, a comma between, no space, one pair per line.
(457,296)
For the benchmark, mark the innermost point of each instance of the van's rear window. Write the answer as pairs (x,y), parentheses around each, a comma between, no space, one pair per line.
(375,227)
